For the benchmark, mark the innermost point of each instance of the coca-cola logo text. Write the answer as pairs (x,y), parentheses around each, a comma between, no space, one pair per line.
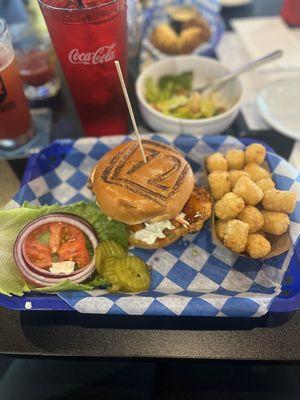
(101,55)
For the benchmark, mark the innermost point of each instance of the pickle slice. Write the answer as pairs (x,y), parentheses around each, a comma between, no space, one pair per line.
(124,273)
(133,274)
(110,275)
(112,249)
(105,249)
(99,259)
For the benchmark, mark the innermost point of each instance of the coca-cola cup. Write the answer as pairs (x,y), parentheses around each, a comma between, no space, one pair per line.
(88,36)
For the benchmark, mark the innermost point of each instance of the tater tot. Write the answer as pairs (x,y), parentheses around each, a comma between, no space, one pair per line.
(279,200)
(275,222)
(253,217)
(256,172)
(255,153)
(219,183)
(235,159)
(266,184)
(257,246)
(235,235)
(229,206)
(248,190)
(235,175)
(220,228)
(215,162)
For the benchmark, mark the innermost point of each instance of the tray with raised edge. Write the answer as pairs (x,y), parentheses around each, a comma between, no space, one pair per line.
(51,157)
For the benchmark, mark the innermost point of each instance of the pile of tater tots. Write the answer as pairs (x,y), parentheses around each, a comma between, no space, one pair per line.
(248,208)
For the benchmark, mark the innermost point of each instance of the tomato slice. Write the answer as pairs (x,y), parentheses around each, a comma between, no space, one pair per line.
(65,241)
(39,254)
(73,247)
(38,233)
(55,236)
(74,252)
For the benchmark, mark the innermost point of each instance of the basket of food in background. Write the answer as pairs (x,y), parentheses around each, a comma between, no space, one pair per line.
(176,28)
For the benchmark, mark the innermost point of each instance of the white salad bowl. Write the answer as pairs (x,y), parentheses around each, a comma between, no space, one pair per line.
(204,70)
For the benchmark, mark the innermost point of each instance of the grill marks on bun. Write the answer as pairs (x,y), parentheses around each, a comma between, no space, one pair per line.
(157,190)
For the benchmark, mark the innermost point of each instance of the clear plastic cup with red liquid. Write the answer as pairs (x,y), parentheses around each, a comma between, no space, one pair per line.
(36,66)
(15,119)
(88,37)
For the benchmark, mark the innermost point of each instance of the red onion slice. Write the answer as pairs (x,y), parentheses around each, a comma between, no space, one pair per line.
(37,275)
(58,217)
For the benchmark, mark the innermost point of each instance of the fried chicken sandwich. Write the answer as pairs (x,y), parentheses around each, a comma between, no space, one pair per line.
(158,200)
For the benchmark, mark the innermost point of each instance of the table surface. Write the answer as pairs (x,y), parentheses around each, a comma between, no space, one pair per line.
(273,337)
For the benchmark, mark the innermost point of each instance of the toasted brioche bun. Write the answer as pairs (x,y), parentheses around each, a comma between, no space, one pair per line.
(197,210)
(130,191)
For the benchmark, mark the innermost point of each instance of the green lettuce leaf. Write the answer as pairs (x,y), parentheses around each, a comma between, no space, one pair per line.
(184,80)
(63,287)
(13,220)
(172,104)
(176,82)
(106,229)
(68,285)
(151,91)
(97,281)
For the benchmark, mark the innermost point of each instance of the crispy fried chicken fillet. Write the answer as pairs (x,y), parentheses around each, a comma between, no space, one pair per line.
(195,213)
(157,200)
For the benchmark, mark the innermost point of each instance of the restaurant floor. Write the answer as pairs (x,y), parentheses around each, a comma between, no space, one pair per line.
(91,380)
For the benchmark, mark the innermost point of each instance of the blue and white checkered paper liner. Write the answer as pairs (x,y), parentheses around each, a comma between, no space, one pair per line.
(192,276)
(155,14)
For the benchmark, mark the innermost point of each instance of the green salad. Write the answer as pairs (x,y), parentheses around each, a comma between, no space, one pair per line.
(172,95)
